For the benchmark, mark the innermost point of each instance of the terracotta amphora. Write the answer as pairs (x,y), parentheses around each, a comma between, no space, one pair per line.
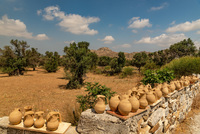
(172,86)
(53,120)
(135,103)
(158,93)
(151,97)
(39,122)
(165,91)
(28,119)
(124,106)
(100,106)
(15,117)
(143,101)
(114,102)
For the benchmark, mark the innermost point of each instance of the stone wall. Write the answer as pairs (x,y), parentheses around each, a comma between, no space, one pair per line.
(159,118)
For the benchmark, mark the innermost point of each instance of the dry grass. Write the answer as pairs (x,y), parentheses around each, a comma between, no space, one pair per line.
(44,91)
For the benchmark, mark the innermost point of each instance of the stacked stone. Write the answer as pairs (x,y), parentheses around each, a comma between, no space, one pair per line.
(160,118)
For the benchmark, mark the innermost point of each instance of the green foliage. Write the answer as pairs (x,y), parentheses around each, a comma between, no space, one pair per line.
(126,71)
(184,66)
(157,76)
(149,66)
(139,60)
(78,59)
(13,61)
(33,58)
(121,59)
(104,61)
(51,62)
(93,90)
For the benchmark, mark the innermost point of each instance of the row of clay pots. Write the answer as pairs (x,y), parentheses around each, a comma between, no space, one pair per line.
(52,120)
(141,96)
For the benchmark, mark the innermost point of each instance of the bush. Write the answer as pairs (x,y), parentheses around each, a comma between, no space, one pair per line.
(158,76)
(93,90)
(184,66)
(51,65)
(127,71)
(149,66)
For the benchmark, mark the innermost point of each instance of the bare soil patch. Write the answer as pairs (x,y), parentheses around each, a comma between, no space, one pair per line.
(44,91)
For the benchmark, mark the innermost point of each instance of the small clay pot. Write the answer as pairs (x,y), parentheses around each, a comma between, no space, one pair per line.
(53,120)
(15,116)
(158,93)
(100,106)
(135,103)
(39,122)
(143,101)
(29,119)
(114,102)
(124,107)
(151,98)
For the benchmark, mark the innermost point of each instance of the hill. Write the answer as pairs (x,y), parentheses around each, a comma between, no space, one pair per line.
(105,51)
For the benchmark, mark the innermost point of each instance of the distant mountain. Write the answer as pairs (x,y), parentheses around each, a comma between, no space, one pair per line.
(105,51)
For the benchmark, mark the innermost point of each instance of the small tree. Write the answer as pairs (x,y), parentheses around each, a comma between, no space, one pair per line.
(121,59)
(140,59)
(33,58)
(51,61)
(78,60)
(104,61)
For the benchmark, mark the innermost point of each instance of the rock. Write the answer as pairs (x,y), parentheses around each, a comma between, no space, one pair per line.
(156,116)
(144,130)
(154,128)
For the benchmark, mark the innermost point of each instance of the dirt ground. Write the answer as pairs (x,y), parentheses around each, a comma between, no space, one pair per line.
(44,91)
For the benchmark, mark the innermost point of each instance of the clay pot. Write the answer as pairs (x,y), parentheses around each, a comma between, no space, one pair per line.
(39,122)
(143,101)
(124,106)
(100,106)
(172,86)
(27,108)
(151,97)
(135,103)
(186,83)
(15,116)
(28,119)
(114,102)
(124,96)
(53,120)
(165,91)
(158,93)
(178,85)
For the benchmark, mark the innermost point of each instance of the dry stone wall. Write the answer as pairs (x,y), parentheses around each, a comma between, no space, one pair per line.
(159,118)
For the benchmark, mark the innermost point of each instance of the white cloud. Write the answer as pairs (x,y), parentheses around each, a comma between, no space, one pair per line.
(134,31)
(39,12)
(159,7)
(138,23)
(41,37)
(162,40)
(72,23)
(11,27)
(198,32)
(108,39)
(69,42)
(173,22)
(185,27)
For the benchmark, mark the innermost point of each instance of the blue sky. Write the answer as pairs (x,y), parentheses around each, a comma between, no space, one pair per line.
(121,25)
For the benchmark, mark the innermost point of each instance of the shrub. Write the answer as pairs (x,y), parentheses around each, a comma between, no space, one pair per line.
(51,64)
(93,90)
(184,66)
(126,71)
(157,76)
(150,65)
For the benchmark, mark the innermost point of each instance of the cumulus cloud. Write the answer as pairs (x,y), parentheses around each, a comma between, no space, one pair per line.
(72,23)
(138,23)
(185,27)
(11,27)
(69,42)
(108,39)
(162,40)
(173,22)
(198,32)
(159,7)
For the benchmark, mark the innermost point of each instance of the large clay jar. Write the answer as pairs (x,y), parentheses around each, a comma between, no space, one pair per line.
(151,97)
(100,106)
(114,102)
(15,116)
(53,120)
(165,91)
(28,119)
(135,103)
(39,122)
(125,106)
(143,101)
(158,93)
